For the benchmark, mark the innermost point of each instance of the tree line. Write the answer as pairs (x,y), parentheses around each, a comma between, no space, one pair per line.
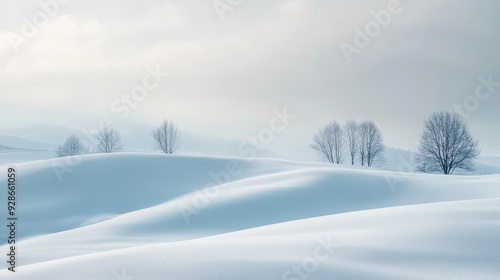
(445,146)
(360,142)
(166,138)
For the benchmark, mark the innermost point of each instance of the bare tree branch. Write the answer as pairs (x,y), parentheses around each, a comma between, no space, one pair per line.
(371,146)
(351,129)
(71,147)
(166,137)
(329,142)
(109,140)
(446,145)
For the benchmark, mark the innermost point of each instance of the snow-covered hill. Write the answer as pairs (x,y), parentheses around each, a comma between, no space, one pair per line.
(151,216)
(454,240)
(41,140)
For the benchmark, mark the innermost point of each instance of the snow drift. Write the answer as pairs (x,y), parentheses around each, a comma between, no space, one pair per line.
(178,217)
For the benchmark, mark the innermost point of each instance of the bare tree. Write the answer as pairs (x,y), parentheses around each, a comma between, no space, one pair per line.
(109,140)
(371,146)
(363,143)
(338,142)
(166,137)
(351,129)
(71,147)
(446,144)
(328,141)
(322,143)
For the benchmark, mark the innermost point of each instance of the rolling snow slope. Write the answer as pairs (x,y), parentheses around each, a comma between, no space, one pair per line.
(151,215)
(455,240)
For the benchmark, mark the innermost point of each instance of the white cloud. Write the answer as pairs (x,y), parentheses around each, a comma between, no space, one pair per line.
(263,55)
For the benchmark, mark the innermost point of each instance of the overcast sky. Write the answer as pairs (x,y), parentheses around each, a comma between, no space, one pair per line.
(228,69)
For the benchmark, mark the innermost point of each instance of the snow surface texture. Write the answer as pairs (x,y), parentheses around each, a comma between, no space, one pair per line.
(151,216)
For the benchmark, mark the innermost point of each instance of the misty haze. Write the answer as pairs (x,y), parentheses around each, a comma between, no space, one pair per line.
(234,139)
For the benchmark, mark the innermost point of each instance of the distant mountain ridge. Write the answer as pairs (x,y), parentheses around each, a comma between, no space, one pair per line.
(43,133)
(23,143)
